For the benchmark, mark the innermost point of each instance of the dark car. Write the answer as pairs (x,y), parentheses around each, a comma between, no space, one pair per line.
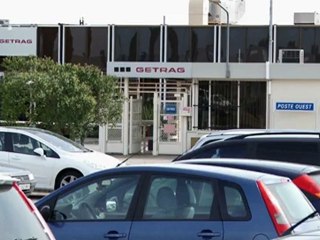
(287,146)
(306,177)
(178,201)
(19,218)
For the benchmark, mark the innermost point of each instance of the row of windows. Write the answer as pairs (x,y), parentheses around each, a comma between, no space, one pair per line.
(166,198)
(83,44)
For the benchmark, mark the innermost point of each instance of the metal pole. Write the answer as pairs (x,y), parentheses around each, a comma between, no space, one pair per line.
(228,39)
(270,33)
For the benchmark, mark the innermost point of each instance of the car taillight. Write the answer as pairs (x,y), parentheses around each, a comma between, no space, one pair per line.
(306,183)
(278,217)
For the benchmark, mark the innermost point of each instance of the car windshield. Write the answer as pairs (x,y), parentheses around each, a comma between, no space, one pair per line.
(289,197)
(59,141)
(17,219)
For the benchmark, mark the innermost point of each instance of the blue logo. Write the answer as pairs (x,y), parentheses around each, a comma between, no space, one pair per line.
(294,106)
(171,108)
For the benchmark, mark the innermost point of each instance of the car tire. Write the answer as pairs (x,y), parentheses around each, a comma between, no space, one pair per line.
(67,177)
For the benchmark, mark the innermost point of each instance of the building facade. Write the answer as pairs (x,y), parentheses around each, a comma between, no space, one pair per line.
(178,81)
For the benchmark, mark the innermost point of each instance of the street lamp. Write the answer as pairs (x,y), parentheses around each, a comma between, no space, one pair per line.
(217,2)
(29,83)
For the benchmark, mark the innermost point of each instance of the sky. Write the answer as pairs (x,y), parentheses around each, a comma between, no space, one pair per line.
(142,12)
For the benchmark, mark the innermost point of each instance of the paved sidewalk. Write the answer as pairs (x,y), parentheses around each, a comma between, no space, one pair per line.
(144,158)
(140,158)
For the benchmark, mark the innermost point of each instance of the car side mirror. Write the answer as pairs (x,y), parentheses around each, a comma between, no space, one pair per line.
(39,151)
(45,212)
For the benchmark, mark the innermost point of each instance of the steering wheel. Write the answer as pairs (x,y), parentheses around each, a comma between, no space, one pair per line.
(87,211)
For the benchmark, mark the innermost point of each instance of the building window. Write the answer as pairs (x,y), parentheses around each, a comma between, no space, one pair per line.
(221,106)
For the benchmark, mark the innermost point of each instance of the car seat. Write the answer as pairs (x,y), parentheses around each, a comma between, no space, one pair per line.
(186,201)
(166,201)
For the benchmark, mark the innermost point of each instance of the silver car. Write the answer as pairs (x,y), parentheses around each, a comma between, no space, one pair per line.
(26,181)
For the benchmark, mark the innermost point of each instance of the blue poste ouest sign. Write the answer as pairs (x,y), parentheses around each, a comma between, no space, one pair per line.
(294,106)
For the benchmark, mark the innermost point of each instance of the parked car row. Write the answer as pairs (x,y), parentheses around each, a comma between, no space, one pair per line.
(179,201)
(205,198)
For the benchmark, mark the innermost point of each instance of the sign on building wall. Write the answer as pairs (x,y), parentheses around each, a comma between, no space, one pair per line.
(149,69)
(170,108)
(18,41)
(295,106)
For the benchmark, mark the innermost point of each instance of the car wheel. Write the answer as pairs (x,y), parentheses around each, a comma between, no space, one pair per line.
(67,177)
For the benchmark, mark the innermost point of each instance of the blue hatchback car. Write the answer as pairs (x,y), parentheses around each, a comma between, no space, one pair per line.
(178,201)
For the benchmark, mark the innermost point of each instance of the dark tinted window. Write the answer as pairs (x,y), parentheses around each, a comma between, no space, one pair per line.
(16,218)
(300,37)
(238,150)
(234,203)
(285,150)
(179,198)
(287,38)
(47,42)
(190,44)
(137,43)
(253,104)
(247,44)
(179,44)
(86,45)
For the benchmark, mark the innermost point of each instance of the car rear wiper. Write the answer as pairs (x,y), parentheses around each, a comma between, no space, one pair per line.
(289,230)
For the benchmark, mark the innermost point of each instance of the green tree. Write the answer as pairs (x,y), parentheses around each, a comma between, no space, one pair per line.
(67,99)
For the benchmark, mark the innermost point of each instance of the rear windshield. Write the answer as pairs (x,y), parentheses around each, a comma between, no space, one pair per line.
(291,200)
(17,221)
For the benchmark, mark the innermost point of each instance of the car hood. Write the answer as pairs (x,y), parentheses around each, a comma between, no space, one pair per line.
(96,159)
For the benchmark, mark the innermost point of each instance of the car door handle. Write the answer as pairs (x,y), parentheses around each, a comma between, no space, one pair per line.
(207,234)
(115,235)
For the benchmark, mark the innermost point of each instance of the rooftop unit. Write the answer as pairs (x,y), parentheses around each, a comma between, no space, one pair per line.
(307,18)
(4,22)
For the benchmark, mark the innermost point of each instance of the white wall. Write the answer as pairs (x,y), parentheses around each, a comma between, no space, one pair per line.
(301,91)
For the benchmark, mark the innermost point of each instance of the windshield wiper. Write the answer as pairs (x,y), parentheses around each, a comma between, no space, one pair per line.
(289,230)
(119,164)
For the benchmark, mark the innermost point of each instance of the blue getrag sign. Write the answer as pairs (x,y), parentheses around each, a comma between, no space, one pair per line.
(294,106)
(171,108)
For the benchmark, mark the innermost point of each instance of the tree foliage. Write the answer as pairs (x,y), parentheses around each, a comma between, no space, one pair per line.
(65,98)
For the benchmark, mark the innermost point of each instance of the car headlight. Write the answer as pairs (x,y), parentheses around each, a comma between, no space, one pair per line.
(95,165)
(31,177)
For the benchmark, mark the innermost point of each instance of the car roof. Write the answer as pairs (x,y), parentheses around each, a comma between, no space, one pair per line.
(223,173)
(279,134)
(205,171)
(22,128)
(287,169)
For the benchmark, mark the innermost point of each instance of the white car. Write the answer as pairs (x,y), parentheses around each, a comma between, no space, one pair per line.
(53,159)
(26,179)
